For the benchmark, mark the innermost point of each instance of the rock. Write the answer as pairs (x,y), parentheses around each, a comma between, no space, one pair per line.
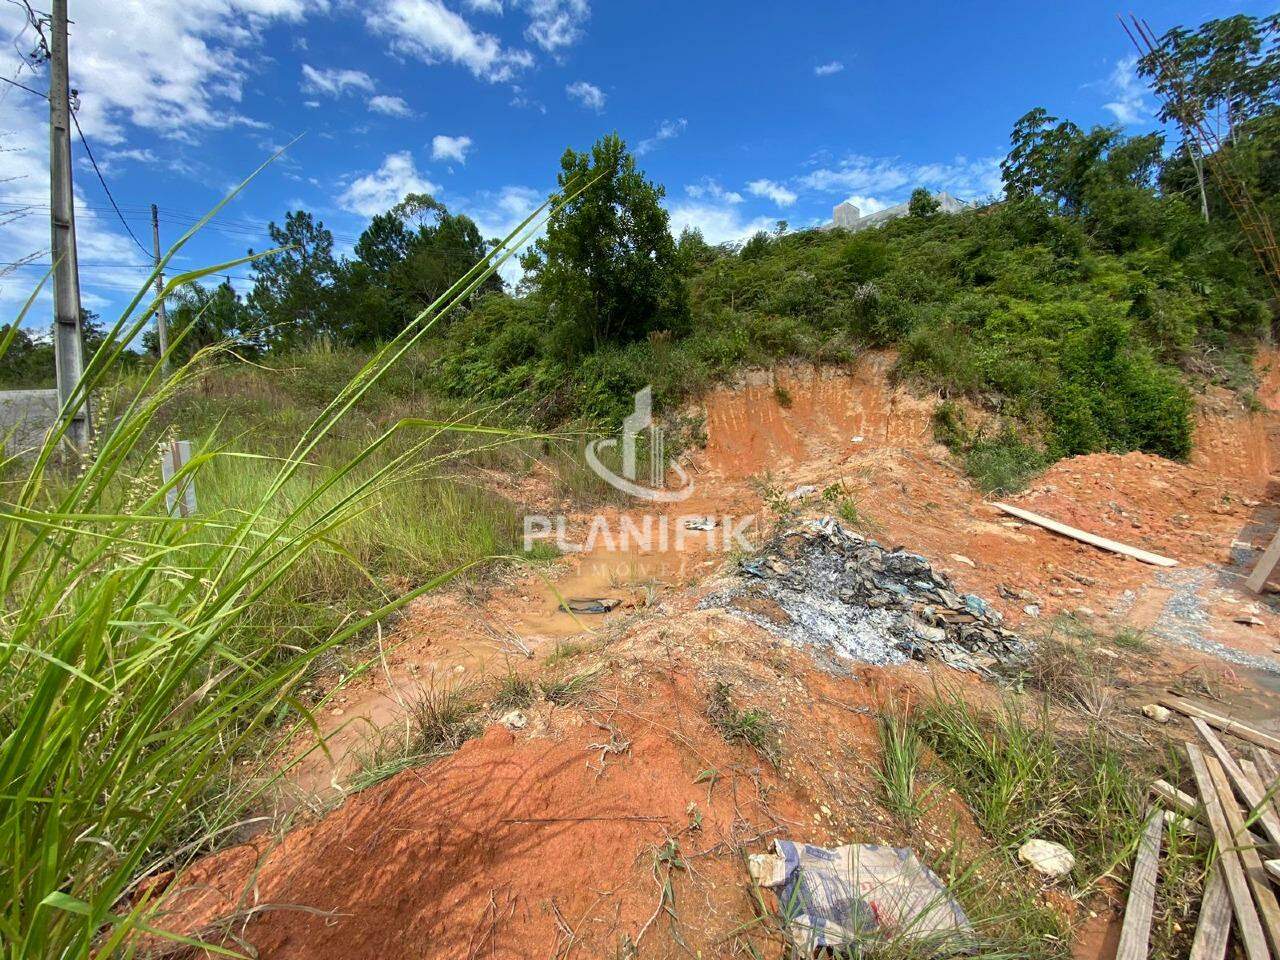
(961,558)
(1046,857)
(1153,711)
(1032,610)
(513,720)
(336,712)
(1248,620)
(803,490)
(1084,612)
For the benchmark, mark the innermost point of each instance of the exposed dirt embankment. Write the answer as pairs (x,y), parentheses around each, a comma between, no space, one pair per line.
(623,814)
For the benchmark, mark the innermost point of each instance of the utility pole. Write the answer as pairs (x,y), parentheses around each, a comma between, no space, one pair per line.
(68,351)
(162,322)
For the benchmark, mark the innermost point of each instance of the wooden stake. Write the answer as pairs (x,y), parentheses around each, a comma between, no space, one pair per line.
(1251,935)
(1265,566)
(1268,908)
(1102,543)
(1135,935)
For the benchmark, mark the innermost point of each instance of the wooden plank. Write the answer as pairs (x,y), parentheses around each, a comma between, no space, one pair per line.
(1186,825)
(1251,935)
(1273,868)
(1102,543)
(1270,776)
(1179,800)
(1263,896)
(1248,792)
(1135,935)
(1213,929)
(1225,724)
(1265,566)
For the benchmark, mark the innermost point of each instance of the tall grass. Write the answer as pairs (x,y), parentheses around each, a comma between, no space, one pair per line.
(135,660)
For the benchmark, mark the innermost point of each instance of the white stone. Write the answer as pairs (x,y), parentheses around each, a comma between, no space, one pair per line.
(1045,856)
(1153,711)
(513,720)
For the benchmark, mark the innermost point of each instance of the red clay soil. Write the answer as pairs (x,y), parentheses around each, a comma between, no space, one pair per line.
(543,843)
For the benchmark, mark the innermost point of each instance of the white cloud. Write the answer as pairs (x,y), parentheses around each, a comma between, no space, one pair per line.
(486,6)
(667,130)
(334,82)
(450,148)
(24,228)
(431,32)
(1129,106)
(588,94)
(827,69)
(774,191)
(556,23)
(133,154)
(377,192)
(711,189)
(878,176)
(177,68)
(390,106)
(868,205)
(497,213)
(719,223)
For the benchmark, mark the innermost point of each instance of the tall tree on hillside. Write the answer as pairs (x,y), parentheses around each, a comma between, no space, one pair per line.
(404,261)
(1216,79)
(607,266)
(293,292)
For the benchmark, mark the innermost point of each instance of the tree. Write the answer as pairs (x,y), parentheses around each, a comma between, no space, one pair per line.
(922,204)
(404,261)
(607,266)
(293,292)
(200,317)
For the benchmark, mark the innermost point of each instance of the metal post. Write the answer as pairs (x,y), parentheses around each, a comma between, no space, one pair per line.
(68,351)
(162,322)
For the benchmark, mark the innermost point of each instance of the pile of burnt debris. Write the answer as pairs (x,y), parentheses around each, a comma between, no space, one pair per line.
(825,587)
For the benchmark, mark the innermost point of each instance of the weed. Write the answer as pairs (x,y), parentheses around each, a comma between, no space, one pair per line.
(565,650)
(570,689)
(900,750)
(515,692)
(752,727)
(782,395)
(1131,639)
(434,721)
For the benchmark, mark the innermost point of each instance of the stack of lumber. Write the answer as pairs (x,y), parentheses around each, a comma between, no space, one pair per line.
(1236,810)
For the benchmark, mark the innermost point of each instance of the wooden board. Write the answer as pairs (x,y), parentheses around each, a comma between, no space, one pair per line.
(1252,936)
(1270,776)
(1263,896)
(1135,935)
(1266,564)
(1249,793)
(1225,724)
(1213,929)
(1184,803)
(1102,543)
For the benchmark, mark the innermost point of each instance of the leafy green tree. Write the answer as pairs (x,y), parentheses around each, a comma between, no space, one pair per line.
(922,204)
(293,293)
(607,265)
(202,316)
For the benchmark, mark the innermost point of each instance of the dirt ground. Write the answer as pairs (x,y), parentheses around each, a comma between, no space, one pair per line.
(624,816)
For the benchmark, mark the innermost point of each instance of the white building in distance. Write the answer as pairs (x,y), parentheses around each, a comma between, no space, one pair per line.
(846,216)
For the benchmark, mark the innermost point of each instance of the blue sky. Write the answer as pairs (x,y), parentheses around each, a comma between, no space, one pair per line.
(746,112)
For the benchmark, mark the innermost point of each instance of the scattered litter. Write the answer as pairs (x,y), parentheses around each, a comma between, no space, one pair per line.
(804,490)
(590,604)
(1045,856)
(856,893)
(821,585)
(1153,711)
(858,439)
(1248,619)
(699,523)
(513,720)
(961,558)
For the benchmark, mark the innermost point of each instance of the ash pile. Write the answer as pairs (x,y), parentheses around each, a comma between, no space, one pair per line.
(825,587)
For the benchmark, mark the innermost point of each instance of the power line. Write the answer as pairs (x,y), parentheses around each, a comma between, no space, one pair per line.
(106,189)
(23,86)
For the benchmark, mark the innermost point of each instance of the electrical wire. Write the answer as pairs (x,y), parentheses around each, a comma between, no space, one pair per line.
(107,190)
(23,86)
